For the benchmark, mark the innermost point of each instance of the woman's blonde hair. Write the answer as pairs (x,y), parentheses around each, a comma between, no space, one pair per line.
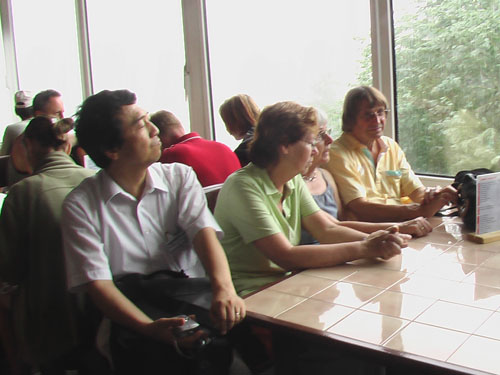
(239,113)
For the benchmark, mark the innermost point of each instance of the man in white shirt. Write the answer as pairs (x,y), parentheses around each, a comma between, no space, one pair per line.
(139,217)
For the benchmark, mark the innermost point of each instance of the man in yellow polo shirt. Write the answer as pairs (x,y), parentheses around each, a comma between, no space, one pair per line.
(375,181)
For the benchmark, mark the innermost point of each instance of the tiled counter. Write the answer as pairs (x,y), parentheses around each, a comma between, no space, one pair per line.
(437,303)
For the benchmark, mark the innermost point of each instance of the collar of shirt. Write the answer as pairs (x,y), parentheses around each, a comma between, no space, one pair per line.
(269,187)
(110,188)
(351,142)
(186,138)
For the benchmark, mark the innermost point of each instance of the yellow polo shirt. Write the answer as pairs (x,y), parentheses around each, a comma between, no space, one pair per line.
(356,175)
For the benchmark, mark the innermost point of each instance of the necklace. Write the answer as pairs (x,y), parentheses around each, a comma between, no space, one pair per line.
(310,179)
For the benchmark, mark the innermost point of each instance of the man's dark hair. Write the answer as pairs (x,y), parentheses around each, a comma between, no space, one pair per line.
(42,98)
(98,128)
(47,132)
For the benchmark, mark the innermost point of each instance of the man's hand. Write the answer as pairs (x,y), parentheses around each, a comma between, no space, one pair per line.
(385,243)
(227,310)
(416,227)
(163,330)
(436,198)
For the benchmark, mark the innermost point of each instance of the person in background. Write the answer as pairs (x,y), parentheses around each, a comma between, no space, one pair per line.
(240,114)
(24,110)
(371,171)
(46,103)
(212,161)
(324,191)
(263,206)
(47,324)
(138,218)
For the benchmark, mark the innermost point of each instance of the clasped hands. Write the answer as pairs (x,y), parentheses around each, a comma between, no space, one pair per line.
(227,310)
(436,197)
(385,243)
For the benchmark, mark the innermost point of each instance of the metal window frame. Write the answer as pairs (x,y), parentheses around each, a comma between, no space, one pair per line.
(197,81)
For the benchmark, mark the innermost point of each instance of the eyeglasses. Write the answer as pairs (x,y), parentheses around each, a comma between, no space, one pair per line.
(381,113)
(319,138)
(323,134)
(312,143)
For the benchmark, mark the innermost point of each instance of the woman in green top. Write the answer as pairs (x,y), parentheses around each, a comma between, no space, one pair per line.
(263,206)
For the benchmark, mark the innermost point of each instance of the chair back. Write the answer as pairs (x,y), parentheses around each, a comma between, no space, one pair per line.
(211,193)
(19,156)
(4,165)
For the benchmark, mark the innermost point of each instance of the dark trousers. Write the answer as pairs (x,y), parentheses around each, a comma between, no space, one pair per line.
(166,294)
(133,354)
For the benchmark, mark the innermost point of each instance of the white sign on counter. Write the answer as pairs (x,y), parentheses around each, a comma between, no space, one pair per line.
(488,203)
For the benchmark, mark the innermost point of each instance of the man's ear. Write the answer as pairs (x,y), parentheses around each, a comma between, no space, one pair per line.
(113,155)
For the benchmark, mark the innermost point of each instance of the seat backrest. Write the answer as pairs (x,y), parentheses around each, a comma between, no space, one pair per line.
(211,193)
(4,162)
(19,156)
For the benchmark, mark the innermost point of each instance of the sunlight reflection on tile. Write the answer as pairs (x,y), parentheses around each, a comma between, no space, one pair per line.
(428,341)
(369,327)
(302,285)
(347,294)
(409,261)
(484,276)
(479,353)
(446,270)
(466,255)
(378,277)
(332,273)
(425,286)
(399,305)
(474,295)
(429,250)
(270,303)
(441,238)
(491,327)
(493,247)
(452,227)
(315,314)
(493,262)
(458,317)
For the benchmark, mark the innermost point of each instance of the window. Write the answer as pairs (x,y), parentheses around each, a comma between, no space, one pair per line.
(7,114)
(310,52)
(139,46)
(447,78)
(47,48)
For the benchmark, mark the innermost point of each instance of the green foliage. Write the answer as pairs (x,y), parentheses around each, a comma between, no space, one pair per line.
(448,85)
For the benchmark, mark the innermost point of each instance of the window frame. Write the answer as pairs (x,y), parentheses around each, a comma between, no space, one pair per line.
(197,83)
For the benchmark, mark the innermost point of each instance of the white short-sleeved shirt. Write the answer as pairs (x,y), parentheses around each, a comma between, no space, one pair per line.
(107,232)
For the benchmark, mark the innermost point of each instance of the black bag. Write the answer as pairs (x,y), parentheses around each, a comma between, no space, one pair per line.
(465,183)
(168,294)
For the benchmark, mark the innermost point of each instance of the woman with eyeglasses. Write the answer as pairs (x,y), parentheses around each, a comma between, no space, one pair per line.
(376,182)
(263,206)
(323,188)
